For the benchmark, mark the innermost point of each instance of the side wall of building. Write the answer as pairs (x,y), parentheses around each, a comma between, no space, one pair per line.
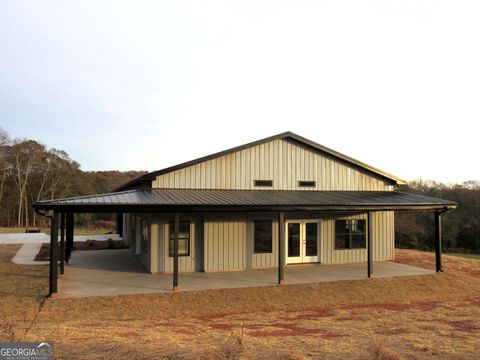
(161,260)
(225,242)
(383,240)
(229,240)
(225,237)
(138,236)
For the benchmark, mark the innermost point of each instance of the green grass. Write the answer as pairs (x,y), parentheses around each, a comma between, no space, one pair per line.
(468,256)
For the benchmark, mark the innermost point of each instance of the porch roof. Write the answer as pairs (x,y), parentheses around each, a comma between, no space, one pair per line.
(162,200)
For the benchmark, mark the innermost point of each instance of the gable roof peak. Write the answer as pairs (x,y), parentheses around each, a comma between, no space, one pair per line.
(287,134)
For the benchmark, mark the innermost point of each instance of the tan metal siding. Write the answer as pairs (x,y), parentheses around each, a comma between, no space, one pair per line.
(332,256)
(160,246)
(126,228)
(265,260)
(154,247)
(225,242)
(185,263)
(383,235)
(228,241)
(281,161)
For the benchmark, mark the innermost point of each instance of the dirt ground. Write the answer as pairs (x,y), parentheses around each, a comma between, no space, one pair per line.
(418,317)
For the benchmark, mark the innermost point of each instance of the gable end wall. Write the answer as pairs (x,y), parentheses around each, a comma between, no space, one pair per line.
(282,161)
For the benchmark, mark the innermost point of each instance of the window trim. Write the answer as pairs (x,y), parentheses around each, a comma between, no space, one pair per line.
(263,183)
(349,242)
(172,233)
(271,236)
(307,183)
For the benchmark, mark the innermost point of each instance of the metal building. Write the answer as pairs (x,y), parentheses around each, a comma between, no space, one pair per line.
(275,202)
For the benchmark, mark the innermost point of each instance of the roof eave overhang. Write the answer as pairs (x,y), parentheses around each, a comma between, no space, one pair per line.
(115,208)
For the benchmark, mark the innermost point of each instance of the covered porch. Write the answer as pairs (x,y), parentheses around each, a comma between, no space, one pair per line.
(118,272)
(181,202)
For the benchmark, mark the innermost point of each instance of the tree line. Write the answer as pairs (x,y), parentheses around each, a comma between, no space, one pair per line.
(461,227)
(30,172)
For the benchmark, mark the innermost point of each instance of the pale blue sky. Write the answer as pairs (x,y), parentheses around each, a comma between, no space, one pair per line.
(144,85)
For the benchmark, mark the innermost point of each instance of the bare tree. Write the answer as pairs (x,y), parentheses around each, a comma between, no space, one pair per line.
(4,143)
(24,156)
(55,177)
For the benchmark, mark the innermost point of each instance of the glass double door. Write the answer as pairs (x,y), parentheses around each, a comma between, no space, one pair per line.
(302,241)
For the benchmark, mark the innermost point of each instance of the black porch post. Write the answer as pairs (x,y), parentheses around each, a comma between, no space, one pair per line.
(120,224)
(69,237)
(62,243)
(438,241)
(369,245)
(53,253)
(281,248)
(175,252)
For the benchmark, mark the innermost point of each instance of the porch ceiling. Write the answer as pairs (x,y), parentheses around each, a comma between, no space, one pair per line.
(152,200)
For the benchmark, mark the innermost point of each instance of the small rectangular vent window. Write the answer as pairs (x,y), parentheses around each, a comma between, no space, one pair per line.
(263,182)
(302,183)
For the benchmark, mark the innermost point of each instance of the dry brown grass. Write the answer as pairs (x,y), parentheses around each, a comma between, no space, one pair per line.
(13,230)
(23,290)
(382,351)
(420,317)
(79,230)
(93,230)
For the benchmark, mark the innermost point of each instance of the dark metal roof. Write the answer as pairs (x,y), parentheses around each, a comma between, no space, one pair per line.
(237,200)
(147,178)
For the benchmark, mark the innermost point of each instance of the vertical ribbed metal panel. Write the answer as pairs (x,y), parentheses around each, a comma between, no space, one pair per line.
(229,241)
(383,235)
(383,244)
(281,161)
(225,242)
(185,263)
(264,260)
(154,247)
(161,245)
(126,228)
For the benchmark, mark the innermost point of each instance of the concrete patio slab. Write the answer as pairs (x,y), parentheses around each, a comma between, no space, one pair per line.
(40,238)
(32,242)
(116,272)
(24,238)
(27,253)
